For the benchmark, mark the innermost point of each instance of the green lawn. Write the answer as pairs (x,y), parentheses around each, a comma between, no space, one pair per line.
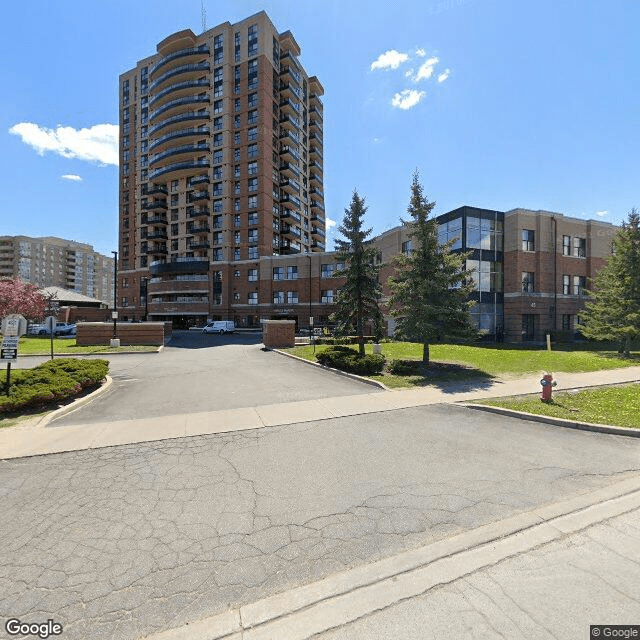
(42,347)
(491,360)
(618,406)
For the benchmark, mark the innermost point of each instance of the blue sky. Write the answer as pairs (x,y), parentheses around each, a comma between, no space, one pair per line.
(498,104)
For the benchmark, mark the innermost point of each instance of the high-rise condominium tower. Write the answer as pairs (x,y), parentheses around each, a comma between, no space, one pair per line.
(220,164)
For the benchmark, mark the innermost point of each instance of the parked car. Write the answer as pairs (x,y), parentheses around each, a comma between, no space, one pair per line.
(37,330)
(219,326)
(64,329)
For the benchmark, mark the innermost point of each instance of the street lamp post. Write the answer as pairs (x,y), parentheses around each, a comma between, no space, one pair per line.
(146,297)
(114,314)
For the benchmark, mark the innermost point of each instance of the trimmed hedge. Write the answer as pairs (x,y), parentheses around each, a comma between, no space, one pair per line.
(347,359)
(405,367)
(50,382)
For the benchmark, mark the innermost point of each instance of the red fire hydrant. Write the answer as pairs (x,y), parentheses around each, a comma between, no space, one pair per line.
(547,383)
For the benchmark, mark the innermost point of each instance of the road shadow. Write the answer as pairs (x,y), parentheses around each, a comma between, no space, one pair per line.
(198,340)
(451,378)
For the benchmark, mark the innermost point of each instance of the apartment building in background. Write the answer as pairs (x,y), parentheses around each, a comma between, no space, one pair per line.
(221,164)
(51,261)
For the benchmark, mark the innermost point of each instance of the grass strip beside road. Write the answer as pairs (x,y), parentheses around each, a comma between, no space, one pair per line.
(487,361)
(618,406)
(42,347)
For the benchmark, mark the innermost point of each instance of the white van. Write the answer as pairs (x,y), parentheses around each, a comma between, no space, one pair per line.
(219,326)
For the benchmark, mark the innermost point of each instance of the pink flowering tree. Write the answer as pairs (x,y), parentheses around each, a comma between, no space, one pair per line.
(23,298)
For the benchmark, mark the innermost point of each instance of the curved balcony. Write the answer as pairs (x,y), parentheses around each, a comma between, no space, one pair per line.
(317,206)
(318,193)
(315,128)
(187,70)
(203,49)
(318,244)
(315,114)
(167,287)
(179,265)
(315,180)
(316,140)
(316,165)
(315,101)
(179,169)
(315,153)
(186,149)
(191,132)
(178,89)
(173,105)
(179,308)
(316,217)
(317,232)
(171,123)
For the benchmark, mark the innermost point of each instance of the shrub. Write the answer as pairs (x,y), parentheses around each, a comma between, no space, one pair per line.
(51,381)
(405,367)
(347,359)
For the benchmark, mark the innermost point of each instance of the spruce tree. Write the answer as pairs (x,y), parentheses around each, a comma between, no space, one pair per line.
(358,298)
(431,287)
(613,313)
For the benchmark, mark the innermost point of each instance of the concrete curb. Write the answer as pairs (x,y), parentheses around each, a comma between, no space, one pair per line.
(353,376)
(305,611)
(45,420)
(558,422)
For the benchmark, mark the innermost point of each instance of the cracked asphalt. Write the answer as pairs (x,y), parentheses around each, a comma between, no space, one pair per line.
(123,541)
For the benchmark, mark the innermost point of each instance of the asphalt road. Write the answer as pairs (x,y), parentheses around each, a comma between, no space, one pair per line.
(199,372)
(119,542)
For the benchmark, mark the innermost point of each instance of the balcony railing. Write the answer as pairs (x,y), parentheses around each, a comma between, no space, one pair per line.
(178,102)
(189,51)
(181,133)
(186,68)
(181,117)
(190,84)
(193,164)
(185,148)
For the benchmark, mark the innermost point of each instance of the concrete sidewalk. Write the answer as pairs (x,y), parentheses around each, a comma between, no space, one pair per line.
(16,442)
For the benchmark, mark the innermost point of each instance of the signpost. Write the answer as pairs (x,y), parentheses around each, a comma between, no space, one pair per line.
(50,324)
(13,327)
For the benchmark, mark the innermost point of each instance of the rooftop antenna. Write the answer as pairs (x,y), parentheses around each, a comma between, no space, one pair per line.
(204,16)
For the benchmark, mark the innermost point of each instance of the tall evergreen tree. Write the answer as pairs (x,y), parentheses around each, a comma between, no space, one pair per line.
(614,311)
(431,288)
(358,298)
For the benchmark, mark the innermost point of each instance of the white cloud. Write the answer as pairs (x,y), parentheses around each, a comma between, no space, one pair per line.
(421,53)
(330,223)
(407,98)
(602,213)
(408,73)
(98,143)
(444,75)
(426,69)
(376,140)
(72,177)
(389,60)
